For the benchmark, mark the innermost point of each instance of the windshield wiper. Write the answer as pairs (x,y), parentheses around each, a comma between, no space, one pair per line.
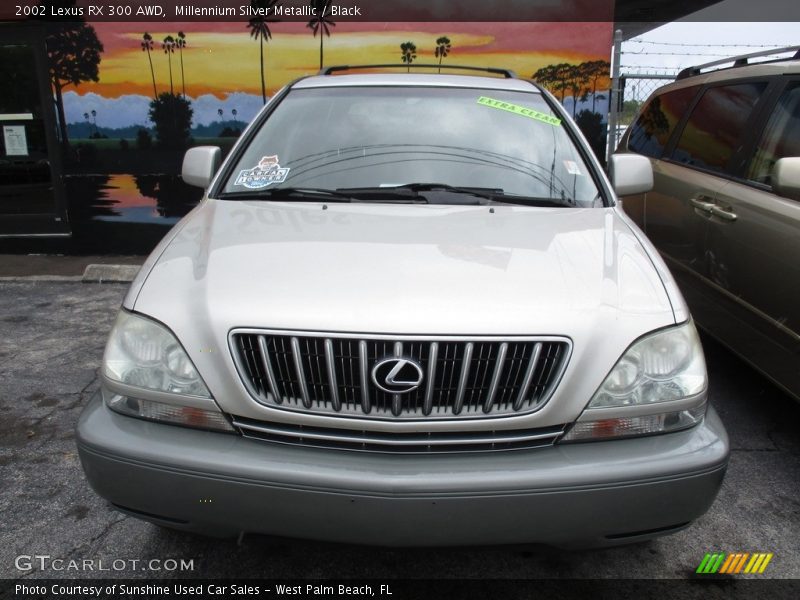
(295,193)
(440,193)
(428,193)
(530,201)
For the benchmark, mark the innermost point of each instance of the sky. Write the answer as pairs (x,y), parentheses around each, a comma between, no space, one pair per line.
(709,35)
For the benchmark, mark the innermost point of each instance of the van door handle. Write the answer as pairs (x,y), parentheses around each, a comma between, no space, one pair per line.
(702,202)
(723,214)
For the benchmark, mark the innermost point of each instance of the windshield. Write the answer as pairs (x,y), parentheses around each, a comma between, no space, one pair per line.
(495,143)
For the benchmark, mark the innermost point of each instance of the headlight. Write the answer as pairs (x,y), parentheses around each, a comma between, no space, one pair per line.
(664,367)
(145,354)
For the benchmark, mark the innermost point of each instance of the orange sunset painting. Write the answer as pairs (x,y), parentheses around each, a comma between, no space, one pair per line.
(217,66)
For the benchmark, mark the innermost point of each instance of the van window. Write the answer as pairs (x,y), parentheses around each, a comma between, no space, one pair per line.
(657,120)
(781,137)
(716,126)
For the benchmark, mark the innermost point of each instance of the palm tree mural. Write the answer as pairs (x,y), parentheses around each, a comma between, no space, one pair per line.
(180,42)
(73,52)
(580,79)
(219,112)
(147,46)
(595,70)
(321,22)
(94,121)
(576,83)
(234,112)
(408,52)
(443,48)
(259,30)
(169,48)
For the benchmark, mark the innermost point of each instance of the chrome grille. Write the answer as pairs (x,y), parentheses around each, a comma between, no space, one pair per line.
(398,442)
(462,378)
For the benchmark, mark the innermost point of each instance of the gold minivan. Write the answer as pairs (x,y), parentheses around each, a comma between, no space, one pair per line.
(725,207)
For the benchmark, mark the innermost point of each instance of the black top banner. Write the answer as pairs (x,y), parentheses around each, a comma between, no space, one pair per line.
(619,11)
(305,10)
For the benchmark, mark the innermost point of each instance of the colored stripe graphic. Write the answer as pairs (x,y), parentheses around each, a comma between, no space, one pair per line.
(762,562)
(734,563)
(711,562)
(755,563)
(727,564)
(740,563)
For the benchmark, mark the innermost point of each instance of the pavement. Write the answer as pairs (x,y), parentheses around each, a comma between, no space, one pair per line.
(60,267)
(52,334)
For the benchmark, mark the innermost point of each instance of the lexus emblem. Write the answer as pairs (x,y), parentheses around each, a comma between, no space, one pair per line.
(397,375)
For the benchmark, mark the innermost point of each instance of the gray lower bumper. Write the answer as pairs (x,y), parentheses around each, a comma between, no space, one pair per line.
(599,493)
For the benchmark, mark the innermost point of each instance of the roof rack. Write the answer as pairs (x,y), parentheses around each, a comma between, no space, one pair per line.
(508,74)
(741,61)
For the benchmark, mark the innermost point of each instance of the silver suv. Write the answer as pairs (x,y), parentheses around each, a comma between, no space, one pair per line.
(725,207)
(408,312)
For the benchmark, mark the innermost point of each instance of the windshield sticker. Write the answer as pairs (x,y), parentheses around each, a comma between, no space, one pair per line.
(265,173)
(520,110)
(572,167)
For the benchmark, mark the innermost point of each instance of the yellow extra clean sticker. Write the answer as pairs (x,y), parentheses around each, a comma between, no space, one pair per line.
(520,110)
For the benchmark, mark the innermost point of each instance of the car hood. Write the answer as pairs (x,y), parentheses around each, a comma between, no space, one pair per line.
(404,269)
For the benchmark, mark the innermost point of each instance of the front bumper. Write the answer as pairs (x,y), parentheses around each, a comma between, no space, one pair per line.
(590,494)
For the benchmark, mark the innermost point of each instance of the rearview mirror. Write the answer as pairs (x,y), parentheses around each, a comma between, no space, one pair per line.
(786,177)
(200,164)
(630,174)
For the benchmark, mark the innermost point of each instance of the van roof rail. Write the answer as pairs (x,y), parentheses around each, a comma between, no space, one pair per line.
(508,74)
(741,61)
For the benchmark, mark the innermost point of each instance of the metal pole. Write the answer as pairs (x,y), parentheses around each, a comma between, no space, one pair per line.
(613,100)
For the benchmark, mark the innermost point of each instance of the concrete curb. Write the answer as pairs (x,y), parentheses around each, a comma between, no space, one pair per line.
(18,278)
(109,273)
(94,273)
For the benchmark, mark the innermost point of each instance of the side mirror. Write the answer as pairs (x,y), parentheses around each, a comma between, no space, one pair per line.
(786,177)
(630,174)
(200,164)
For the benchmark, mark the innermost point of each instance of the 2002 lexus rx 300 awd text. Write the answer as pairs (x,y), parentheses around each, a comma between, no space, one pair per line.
(408,312)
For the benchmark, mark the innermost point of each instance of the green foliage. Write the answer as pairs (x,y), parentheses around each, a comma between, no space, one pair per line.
(321,22)
(408,52)
(259,30)
(86,154)
(629,110)
(172,117)
(230,132)
(73,52)
(147,46)
(144,141)
(443,48)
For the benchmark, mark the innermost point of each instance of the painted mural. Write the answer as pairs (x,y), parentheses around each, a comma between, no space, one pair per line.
(216,76)
(131,97)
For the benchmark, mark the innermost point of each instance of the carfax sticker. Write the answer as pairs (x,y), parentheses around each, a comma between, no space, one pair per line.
(520,110)
(265,173)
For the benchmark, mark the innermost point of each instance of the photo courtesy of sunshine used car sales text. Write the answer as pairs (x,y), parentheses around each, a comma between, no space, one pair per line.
(204,590)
